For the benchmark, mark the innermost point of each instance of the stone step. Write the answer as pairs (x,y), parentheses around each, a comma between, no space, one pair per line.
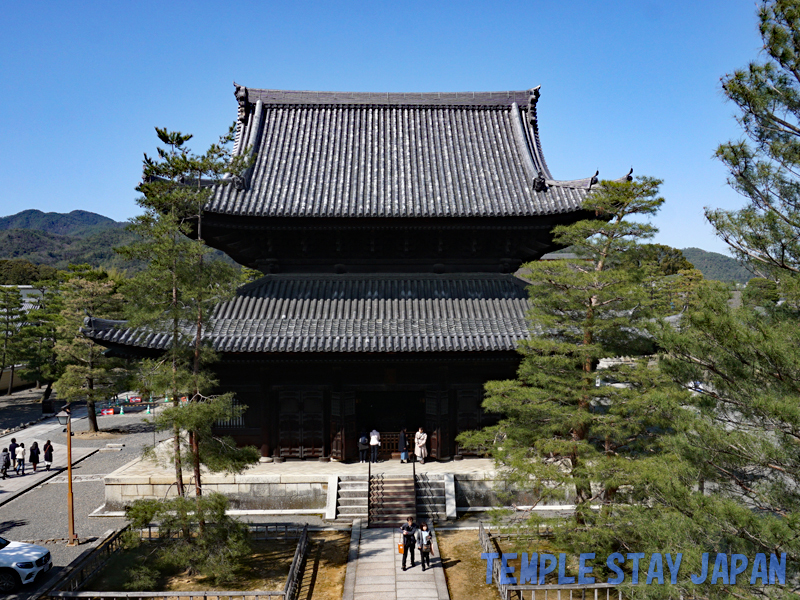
(394,507)
(352,512)
(352,502)
(350,492)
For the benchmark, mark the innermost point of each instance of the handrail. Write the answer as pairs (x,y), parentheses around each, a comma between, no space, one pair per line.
(369,488)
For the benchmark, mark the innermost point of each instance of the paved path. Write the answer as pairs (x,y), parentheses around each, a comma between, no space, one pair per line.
(49,429)
(379,574)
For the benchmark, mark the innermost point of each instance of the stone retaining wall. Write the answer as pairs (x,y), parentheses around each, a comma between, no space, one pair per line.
(254,492)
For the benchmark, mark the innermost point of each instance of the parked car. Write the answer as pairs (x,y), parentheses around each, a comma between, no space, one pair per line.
(21,563)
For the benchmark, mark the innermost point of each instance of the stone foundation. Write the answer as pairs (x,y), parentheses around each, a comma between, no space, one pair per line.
(246,491)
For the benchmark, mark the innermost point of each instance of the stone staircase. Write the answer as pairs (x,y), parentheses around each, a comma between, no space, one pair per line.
(431,503)
(351,500)
(392,500)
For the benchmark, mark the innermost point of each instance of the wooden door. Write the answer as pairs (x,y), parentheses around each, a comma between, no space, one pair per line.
(344,437)
(437,423)
(301,423)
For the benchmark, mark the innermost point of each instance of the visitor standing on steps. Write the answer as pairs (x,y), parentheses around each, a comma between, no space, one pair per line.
(363,447)
(402,445)
(421,445)
(409,531)
(374,444)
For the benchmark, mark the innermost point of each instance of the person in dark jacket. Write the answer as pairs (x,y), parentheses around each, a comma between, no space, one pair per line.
(33,458)
(363,447)
(12,452)
(402,445)
(48,455)
(409,531)
(5,463)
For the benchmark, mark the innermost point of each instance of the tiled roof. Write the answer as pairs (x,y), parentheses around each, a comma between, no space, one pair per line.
(333,154)
(358,313)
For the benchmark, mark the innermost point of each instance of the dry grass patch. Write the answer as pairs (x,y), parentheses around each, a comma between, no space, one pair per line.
(265,569)
(464,569)
(326,563)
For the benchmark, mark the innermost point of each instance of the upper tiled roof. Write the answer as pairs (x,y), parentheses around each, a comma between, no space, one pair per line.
(357,313)
(335,154)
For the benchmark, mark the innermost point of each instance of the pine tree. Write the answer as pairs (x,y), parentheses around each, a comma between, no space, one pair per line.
(180,288)
(87,372)
(39,334)
(589,414)
(744,443)
(11,320)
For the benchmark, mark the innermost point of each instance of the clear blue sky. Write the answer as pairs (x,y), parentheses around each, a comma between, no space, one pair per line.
(624,83)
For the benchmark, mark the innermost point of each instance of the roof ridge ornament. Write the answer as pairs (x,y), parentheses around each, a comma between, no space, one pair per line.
(533,98)
(594,178)
(540,183)
(241,98)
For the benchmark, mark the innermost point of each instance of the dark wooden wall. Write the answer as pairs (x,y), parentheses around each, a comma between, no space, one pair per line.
(312,406)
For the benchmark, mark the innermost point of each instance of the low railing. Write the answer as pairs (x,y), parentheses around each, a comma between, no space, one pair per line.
(91,565)
(191,595)
(596,591)
(295,577)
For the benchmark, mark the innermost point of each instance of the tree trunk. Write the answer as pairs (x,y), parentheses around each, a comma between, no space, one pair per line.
(90,409)
(11,380)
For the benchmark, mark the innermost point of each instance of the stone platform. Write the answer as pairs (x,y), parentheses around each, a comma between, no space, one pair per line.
(299,487)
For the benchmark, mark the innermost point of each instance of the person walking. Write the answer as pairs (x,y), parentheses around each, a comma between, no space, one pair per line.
(12,451)
(420,445)
(5,463)
(363,447)
(409,532)
(402,446)
(20,455)
(374,444)
(48,455)
(33,456)
(425,545)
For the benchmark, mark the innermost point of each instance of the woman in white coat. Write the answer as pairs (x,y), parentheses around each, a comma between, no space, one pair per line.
(421,445)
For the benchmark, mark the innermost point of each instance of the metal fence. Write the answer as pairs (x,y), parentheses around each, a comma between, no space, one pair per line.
(595,591)
(69,586)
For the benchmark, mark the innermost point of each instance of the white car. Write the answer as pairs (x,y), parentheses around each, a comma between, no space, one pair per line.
(21,563)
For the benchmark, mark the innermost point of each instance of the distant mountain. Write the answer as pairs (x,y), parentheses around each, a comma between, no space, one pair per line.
(61,239)
(78,237)
(78,222)
(717,266)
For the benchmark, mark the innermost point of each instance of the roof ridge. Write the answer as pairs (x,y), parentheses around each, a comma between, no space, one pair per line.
(310,97)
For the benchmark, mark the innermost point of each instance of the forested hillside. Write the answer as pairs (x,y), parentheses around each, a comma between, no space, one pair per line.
(717,266)
(61,239)
(78,222)
(58,240)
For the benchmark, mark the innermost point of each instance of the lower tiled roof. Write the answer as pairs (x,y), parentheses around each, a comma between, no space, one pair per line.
(357,313)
